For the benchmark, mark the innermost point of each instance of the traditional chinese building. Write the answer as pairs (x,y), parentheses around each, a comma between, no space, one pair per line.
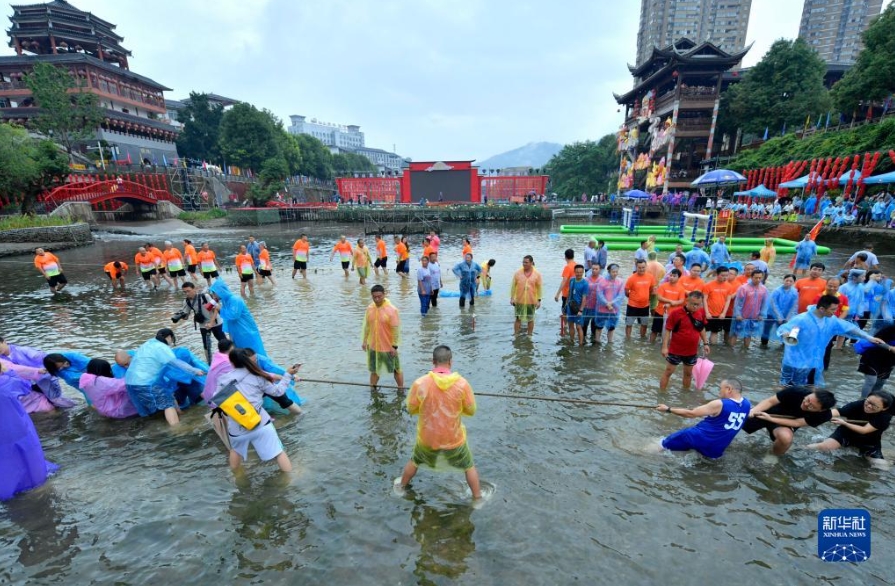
(89,48)
(671,114)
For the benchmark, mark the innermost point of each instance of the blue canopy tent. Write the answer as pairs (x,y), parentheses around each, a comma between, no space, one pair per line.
(799,183)
(637,194)
(881,179)
(757,192)
(843,179)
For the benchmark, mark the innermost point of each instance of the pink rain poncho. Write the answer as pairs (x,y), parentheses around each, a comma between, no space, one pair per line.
(107,395)
(701,372)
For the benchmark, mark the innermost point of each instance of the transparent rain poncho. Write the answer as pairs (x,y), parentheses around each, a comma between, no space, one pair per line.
(381,332)
(440,400)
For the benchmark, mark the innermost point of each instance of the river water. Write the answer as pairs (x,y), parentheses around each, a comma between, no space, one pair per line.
(577,498)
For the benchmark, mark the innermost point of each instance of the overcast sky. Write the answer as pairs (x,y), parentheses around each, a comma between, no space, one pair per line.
(438,80)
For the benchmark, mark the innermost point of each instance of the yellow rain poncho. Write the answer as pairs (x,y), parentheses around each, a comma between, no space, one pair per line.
(441,399)
(381,334)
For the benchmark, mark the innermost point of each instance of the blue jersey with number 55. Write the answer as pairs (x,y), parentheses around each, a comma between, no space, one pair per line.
(711,436)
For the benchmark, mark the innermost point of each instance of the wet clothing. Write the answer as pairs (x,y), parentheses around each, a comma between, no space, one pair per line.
(869,444)
(711,436)
(441,399)
(791,406)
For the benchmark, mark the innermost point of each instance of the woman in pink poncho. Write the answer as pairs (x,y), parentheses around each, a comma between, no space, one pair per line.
(106,394)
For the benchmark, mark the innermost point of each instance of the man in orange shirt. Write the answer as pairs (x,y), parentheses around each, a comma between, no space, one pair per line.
(51,269)
(568,273)
(717,297)
(245,266)
(208,263)
(403,257)
(693,281)
(638,288)
(145,263)
(174,262)
(812,286)
(265,268)
(381,255)
(301,252)
(343,247)
(671,294)
(159,259)
(116,270)
(190,255)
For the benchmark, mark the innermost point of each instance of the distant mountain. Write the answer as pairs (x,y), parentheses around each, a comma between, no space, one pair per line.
(534,154)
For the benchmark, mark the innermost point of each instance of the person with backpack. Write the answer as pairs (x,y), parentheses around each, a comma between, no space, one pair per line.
(205,315)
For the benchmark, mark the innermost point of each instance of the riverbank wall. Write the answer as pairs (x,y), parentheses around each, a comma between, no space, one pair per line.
(24,240)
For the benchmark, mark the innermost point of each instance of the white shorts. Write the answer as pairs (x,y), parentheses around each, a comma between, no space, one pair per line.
(264,439)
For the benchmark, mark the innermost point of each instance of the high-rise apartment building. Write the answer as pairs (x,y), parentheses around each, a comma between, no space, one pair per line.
(834,27)
(721,22)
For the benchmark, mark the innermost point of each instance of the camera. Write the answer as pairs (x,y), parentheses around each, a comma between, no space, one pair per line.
(179,316)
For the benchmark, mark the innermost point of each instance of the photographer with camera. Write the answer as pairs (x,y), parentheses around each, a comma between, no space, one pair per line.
(205,315)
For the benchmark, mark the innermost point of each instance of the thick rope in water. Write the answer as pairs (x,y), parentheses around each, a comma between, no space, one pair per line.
(501,396)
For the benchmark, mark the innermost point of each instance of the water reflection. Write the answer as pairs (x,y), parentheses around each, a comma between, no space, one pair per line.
(445,538)
(48,538)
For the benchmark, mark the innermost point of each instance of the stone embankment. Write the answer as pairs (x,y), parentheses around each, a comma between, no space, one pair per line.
(24,240)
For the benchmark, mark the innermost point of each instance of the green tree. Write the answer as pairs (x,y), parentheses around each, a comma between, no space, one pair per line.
(30,166)
(583,167)
(873,76)
(317,161)
(67,113)
(271,179)
(349,163)
(248,137)
(784,88)
(201,129)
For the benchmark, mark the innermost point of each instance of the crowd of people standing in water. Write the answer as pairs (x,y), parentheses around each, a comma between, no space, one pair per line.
(689,302)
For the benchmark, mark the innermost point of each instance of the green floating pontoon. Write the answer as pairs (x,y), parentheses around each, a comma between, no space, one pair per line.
(617,238)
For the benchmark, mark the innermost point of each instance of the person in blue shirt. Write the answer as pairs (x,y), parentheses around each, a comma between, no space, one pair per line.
(468,272)
(254,248)
(783,305)
(602,257)
(697,255)
(724,417)
(574,309)
(719,254)
(590,254)
(805,251)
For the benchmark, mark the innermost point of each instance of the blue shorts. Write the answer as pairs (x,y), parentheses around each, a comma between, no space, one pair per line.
(688,439)
(802,263)
(606,320)
(747,328)
(149,398)
(792,376)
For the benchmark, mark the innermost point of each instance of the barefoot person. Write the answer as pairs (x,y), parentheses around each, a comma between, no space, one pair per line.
(174,263)
(343,247)
(360,260)
(245,266)
(265,268)
(301,252)
(861,425)
(724,417)
(526,292)
(116,270)
(51,269)
(684,328)
(381,256)
(380,337)
(254,383)
(440,400)
(799,406)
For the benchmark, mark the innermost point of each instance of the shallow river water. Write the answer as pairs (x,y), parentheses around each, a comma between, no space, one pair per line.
(577,498)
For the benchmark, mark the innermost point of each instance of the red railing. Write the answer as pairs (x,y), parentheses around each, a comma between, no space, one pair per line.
(100,191)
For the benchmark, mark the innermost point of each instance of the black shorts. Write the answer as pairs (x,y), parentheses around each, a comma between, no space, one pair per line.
(147,274)
(716,324)
(658,322)
(56,280)
(300,265)
(178,273)
(246,278)
(161,271)
(381,262)
(346,264)
(191,269)
(675,359)
(753,424)
(264,272)
(210,274)
(399,268)
(110,275)
(868,450)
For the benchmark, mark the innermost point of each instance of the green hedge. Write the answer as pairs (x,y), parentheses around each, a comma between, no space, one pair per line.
(253,217)
(856,141)
(206,215)
(15,222)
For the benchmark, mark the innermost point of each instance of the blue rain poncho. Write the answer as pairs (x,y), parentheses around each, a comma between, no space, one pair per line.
(468,273)
(242,329)
(72,374)
(147,369)
(814,335)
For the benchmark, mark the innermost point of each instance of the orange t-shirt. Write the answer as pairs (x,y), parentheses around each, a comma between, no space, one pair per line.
(344,250)
(638,289)
(716,295)
(428,250)
(189,251)
(733,286)
(157,256)
(740,281)
(381,249)
(467,249)
(671,292)
(808,290)
(401,251)
(144,261)
(301,250)
(245,264)
(206,259)
(691,283)
(173,259)
(48,262)
(110,268)
(568,272)
(264,257)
